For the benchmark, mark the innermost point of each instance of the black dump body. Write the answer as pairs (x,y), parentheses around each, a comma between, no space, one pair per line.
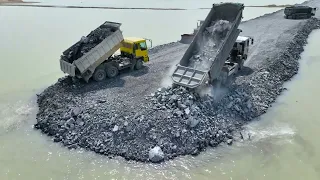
(299,12)
(89,42)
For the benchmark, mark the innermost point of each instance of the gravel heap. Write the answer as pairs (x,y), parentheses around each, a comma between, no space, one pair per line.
(86,43)
(169,122)
(211,41)
(175,120)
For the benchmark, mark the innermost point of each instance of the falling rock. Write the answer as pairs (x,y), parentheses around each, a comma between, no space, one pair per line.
(76,111)
(66,116)
(189,102)
(229,105)
(162,89)
(174,97)
(179,113)
(128,128)
(136,115)
(249,105)
(187,111)
(177,134)
(236,107)
(229,141)
(156,154)
(182,106)
(190,97)
(101,101)
(192,122)
(115,128)
(80,123)
(70,121)
(238,100)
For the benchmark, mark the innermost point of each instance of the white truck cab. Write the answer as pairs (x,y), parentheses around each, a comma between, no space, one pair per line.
(241,47)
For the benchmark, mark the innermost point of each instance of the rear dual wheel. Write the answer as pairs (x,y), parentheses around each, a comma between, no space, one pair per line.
(101,73)
(112,71)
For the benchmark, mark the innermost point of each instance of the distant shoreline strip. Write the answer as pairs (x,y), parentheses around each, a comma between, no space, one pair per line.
(124,8)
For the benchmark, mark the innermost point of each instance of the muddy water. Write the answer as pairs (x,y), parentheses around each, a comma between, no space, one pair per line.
(284,142)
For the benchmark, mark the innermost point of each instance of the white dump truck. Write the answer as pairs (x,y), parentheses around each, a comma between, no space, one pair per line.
(220,60)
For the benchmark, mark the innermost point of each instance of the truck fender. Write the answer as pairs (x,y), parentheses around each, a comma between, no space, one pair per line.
(111,64)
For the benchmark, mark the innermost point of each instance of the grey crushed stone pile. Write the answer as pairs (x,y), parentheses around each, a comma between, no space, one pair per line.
(211,41)
(156,125)
(176,120)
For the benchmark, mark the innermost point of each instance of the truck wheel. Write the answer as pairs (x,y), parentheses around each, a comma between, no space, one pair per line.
(241,64)
(112,71)
(139,64)
(99,74)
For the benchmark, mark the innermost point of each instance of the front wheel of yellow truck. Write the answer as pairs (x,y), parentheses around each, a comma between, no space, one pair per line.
(139,64)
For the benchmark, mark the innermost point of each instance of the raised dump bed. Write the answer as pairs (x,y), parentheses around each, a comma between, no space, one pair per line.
(82,58)
(210,47)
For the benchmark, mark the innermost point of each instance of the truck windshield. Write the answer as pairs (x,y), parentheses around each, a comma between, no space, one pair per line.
(143,46)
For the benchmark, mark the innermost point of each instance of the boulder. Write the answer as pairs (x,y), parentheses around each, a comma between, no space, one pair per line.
(156,154)
(192,122)
(76,111)
(115,128)
(229,141)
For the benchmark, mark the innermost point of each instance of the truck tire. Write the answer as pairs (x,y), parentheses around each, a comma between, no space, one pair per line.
(241,63)
(112,71)
(138,64)
(99,74)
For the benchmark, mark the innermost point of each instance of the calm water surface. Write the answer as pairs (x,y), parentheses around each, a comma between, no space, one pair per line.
(285,140)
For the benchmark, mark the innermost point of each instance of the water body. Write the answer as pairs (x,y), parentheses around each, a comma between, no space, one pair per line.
(284,141)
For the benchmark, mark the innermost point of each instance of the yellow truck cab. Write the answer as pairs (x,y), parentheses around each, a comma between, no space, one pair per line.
(135,47)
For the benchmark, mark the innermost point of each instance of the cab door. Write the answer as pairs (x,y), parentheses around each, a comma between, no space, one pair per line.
(142,51)
(136,50)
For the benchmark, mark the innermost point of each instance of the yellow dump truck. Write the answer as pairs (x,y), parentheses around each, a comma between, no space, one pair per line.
(94,55)
(141,49)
